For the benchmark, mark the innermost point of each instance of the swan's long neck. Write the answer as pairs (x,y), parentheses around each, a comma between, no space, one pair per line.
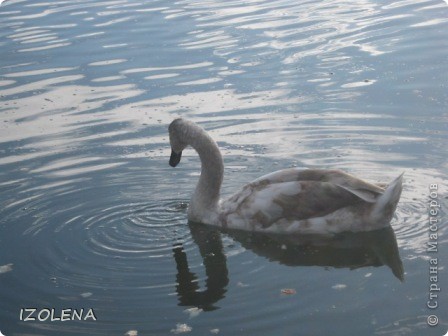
(206,195)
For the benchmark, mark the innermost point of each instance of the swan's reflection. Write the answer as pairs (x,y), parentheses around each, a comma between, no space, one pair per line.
(346,250)
(211,249)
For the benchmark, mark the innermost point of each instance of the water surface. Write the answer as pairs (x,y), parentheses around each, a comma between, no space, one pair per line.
(93,217)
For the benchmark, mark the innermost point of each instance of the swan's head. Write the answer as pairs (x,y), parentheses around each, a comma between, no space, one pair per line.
(178,139)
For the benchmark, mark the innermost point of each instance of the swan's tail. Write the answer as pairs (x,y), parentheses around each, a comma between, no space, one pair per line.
(385,205)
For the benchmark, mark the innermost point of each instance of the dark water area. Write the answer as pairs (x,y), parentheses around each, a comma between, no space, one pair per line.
(92,218)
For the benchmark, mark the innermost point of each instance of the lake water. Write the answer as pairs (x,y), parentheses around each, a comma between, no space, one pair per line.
(92,216)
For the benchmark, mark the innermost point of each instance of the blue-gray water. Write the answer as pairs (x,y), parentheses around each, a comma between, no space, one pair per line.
(92,216)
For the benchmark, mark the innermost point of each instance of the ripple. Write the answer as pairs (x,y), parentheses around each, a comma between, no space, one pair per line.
(116,242)
(411,222)
(129,231)
(85,236)
(107,62)
(38,72)
(200,81)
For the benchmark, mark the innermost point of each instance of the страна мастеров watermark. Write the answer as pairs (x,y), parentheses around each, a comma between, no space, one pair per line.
(432,249)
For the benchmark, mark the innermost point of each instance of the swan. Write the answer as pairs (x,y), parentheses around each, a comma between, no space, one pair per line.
(290,201)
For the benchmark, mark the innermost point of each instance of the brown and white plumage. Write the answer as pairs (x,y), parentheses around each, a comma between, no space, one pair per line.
(286,201)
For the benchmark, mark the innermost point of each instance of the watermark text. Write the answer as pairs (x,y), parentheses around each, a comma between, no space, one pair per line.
(47,314)
(432,249)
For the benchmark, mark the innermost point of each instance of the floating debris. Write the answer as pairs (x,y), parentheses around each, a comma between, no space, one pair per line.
(193,312)
(6,268)
(214,331)
(339,286)
(132,333)
(86,294)
(241,284)
(181,328)
(288,291)
(368,275)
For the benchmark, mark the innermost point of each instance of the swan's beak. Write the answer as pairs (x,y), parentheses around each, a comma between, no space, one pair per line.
(175,158)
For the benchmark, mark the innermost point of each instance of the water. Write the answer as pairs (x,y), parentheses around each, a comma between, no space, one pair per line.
(92,216)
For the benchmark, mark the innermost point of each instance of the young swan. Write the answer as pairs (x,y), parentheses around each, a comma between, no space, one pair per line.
(317,201)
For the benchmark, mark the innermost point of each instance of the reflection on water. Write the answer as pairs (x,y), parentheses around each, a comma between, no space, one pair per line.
(214,260)
(91,213)
(347,250)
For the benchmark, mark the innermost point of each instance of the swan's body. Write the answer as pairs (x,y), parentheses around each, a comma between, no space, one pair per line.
(287,201)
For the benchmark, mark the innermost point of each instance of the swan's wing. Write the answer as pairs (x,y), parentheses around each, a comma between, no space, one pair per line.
(265,204)
(364,190)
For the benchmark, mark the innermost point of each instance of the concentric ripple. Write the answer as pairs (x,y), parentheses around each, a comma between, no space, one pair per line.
(80,242)
(132,230)
(411,222)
